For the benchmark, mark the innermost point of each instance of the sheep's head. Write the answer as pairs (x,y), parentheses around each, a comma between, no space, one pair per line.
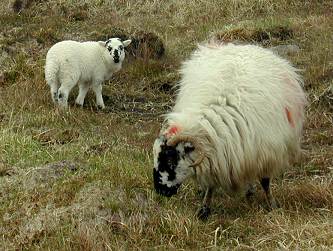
(174,160)
(116,48)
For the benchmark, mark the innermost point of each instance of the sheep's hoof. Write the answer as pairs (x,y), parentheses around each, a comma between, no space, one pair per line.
(204,213)
(100,107)
(274,204)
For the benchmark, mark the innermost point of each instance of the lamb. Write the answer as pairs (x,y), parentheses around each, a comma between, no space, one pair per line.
(87,64)
(237,119)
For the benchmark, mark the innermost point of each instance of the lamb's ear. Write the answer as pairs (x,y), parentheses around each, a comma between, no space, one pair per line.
(127,42)
(102,43)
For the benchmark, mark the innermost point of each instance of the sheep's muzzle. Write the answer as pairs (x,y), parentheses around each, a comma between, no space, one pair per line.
(161,188)
(116,57)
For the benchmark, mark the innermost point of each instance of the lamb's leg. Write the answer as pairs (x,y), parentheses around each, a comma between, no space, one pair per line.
(54,92)
(83,89)
(51,77)
(63,93)
(204,211)
(97,88)
(265,183)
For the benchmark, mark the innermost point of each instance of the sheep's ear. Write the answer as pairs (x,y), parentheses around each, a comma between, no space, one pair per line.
(102,43)
(127,42)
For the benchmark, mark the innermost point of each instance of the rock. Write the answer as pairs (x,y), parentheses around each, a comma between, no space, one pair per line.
(289,49)
(2,78)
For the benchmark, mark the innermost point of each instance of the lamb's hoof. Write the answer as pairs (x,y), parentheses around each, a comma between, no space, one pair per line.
(78,105)
(101,107)
(204,213)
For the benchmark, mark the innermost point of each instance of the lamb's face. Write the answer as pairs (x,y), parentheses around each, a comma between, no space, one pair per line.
(116,49)
(171,165)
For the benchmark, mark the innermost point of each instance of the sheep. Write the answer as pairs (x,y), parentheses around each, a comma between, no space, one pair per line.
(237,119)
(87,64)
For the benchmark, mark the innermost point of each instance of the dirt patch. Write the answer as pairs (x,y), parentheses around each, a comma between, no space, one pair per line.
(96,206)
(137,106)
(48,173)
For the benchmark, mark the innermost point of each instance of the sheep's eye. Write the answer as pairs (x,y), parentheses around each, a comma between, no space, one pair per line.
(188,149)
(121,47)
(110,48)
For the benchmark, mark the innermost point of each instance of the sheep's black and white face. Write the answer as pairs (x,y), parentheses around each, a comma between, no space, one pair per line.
(116,48)
(171,165)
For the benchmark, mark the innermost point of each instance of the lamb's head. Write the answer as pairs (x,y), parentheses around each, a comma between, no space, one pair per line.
(174,161)
(116,48)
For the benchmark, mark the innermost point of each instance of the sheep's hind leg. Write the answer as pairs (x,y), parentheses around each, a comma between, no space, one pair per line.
(63,93)
(97,88)
(54,93)
(83,89)
(265,183)
(205,211)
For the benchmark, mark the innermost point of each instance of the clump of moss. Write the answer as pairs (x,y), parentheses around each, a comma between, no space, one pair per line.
(261,35)
(147,45)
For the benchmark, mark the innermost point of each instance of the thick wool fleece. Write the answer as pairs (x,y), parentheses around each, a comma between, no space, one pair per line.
(245,105)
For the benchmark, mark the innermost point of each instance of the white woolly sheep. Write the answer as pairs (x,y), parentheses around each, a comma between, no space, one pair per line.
(87,64)
(237,118)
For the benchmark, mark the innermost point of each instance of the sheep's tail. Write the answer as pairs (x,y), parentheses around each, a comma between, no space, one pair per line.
(51,77)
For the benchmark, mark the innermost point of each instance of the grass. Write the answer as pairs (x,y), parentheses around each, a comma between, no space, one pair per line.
(83,180)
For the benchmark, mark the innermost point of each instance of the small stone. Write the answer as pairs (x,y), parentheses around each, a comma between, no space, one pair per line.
(289,49)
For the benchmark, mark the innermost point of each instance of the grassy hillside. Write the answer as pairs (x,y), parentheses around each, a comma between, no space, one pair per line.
(82,180)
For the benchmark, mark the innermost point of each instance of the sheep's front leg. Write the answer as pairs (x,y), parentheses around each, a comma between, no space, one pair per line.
(204,211)
(97,88)
(265,183)
(83,89)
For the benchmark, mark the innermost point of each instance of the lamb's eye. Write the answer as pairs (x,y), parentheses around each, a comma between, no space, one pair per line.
(110,48)
(121,47)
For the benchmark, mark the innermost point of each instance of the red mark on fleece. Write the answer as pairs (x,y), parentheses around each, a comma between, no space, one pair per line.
(290,118)
(172,131)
